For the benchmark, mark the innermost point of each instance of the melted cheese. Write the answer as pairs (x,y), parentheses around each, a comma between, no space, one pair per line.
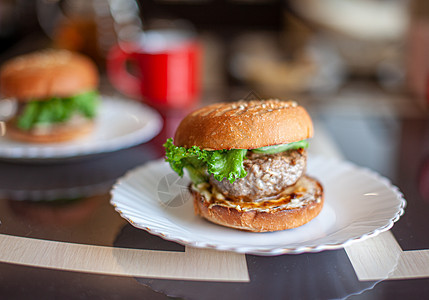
(297,196)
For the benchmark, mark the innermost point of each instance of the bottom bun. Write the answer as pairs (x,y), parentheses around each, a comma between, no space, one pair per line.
(297,206)
(58,133)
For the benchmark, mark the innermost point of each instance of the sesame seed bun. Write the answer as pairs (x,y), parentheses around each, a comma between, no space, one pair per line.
(244,125)
(47,73)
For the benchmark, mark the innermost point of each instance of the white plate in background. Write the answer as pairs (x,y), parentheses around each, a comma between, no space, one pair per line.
(120,124)
(359,204)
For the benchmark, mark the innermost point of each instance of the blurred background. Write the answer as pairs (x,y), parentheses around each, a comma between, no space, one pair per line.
(317,50)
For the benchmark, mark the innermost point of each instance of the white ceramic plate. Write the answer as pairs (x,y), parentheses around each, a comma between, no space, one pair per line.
(120,124)
(358,204)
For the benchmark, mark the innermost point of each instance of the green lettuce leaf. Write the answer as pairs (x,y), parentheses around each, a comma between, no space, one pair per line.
(281,148)
(221,163)
(57,110)
(227,164)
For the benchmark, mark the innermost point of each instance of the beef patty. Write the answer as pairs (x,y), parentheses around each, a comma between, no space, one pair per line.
(267,175)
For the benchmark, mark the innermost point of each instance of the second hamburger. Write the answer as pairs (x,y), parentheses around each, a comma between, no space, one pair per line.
(56,95)
(247,163)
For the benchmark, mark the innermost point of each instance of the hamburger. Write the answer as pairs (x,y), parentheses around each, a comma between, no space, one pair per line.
(247,163)
(56,95)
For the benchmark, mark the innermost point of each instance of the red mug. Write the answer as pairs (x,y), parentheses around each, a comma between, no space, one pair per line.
(168,65)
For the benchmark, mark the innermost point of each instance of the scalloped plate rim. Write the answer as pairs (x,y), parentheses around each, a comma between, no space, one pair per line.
(271,251)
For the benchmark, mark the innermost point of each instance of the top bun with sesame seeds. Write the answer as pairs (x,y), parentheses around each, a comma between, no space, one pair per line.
(245,125)
(47,73)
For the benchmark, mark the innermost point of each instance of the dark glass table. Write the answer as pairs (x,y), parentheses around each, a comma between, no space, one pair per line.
(58,213)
